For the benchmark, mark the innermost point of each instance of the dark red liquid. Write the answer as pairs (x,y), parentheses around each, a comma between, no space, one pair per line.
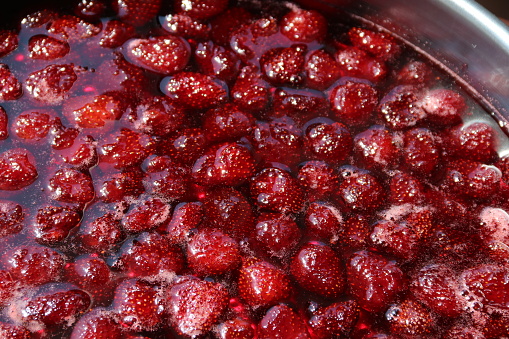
(215,171)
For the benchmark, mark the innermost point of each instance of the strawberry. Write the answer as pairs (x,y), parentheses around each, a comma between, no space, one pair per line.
(304,26)
(323,220)
(185,26)
(186,216)
(124,149)
(224,24)
(327,141)
(318,178)
(212,252)
(60,308)
(488,283)
(378,44)
(421,151)
(185,146)
(17,169)
(250,91)
(278,234)
(281,321)
(115,33)
(160,116)
(276,190)
(284,66)
(165,179)
(374,280)
(337,319)
(376,148)
(138,305)
(99,323)
(120,186)
(146,215)
(51,85)
(399,109)
(318,269)
(10,87)
(100,233)
(227,123)
(190,296)
(437,286)
(72,29)
(195,90)
(355,62)
(237,328)
(415,73)
(405,188)
(230,211)
(8,42)
(262,284)
(53,224)
(409,317)
(11,217)
(33,125)
(475,141)
(217,61)
(443,107)
(136,12)
(354,103)
(13,332)
(396,239)
(362,192)
(149,254)
(277,141)
(200,9)
(44,47)
(224,164)
(72,186)
(164,54)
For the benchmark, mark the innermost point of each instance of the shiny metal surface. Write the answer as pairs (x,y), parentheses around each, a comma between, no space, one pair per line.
(460,34)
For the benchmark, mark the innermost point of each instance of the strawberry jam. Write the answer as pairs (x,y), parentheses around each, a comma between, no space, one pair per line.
(242,169)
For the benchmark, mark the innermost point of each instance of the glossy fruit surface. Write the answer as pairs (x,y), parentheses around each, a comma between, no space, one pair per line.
(242,169)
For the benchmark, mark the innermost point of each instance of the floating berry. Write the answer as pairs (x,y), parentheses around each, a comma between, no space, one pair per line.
(276,190)
(10,87)
(17,169)
(212,252)
(262,284)
(200,9)
(195,90)
(225,164)
(304,26)
(137,305)
(281,321)
(167,54)
(373,280)
(51,85)
(136,12)
(337,319)
(318,269)
(190,296)
(354,103)
(47,48)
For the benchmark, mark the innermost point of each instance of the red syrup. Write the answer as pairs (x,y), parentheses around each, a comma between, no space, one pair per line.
(213,170)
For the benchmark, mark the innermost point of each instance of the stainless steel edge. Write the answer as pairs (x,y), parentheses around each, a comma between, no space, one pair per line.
(460,34)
